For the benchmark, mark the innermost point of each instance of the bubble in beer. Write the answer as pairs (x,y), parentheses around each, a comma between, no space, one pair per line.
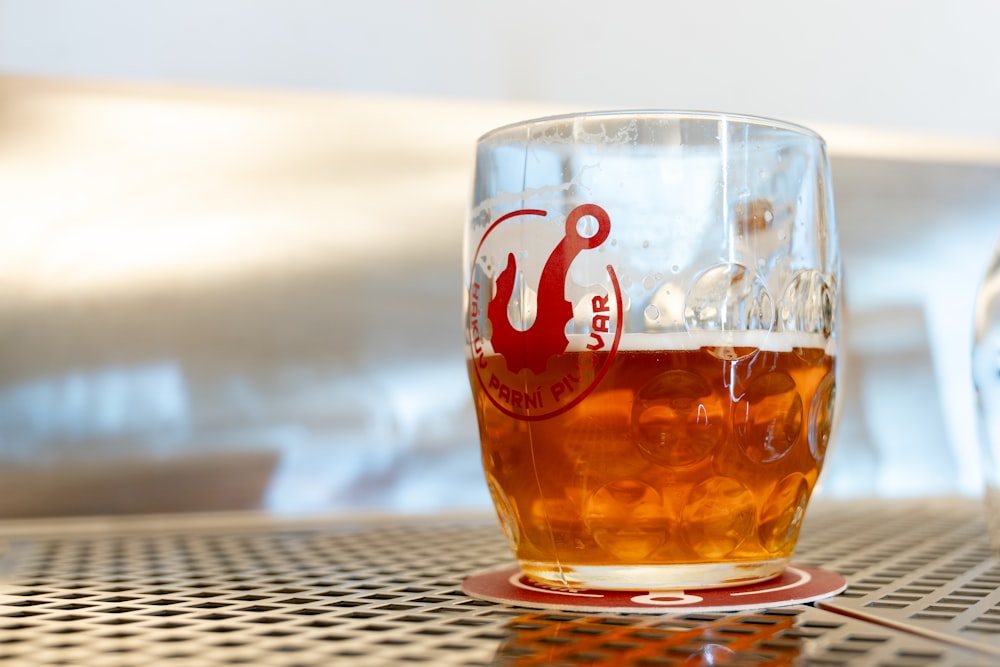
(781,514)
(719,516)
(676,419)
(821,416)
(728,297)
(627,519)
(767,420)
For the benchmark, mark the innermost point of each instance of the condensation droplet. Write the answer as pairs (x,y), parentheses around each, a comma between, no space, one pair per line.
(648,282)
(651,313)
(645,244)
(675,268)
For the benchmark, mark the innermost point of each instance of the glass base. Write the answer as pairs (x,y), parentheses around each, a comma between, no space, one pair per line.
(675,577)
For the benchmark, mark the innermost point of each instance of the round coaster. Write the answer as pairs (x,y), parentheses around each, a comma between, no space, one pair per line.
(798,584)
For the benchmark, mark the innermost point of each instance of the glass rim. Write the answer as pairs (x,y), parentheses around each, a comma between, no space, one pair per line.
(652,113)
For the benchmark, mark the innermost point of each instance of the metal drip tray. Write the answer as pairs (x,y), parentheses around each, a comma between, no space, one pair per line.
(198,591)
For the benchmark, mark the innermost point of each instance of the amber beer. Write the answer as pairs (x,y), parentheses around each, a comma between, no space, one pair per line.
(693,458)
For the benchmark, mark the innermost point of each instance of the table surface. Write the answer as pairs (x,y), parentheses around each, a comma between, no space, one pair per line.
(245,589)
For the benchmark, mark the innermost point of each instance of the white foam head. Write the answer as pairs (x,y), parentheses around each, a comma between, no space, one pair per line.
(770,341)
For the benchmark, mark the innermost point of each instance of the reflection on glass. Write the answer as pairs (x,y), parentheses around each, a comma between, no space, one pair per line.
(559,638)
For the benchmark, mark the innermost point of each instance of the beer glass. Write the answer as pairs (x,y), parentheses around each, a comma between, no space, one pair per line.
(651,312)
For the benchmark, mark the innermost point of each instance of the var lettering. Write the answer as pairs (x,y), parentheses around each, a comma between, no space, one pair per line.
(600,322)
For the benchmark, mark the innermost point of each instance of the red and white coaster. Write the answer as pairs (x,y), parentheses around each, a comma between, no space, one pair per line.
(798,584)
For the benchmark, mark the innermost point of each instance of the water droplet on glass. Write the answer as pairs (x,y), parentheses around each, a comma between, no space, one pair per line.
(648,282)
(651,313)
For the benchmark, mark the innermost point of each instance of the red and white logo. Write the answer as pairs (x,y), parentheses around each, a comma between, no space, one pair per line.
(529,384)
(797,584)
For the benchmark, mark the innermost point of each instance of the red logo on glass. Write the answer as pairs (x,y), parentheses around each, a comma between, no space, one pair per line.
(543,372)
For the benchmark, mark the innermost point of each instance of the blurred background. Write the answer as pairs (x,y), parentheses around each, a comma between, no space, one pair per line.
(230,229)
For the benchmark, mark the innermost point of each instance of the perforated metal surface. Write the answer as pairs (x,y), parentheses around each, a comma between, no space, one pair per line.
(932,572)
(388,593)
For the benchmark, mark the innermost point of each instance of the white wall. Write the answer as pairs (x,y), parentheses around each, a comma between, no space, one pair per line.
(911,64)
(915,233)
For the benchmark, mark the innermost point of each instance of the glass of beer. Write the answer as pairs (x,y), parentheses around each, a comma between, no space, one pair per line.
(651,313)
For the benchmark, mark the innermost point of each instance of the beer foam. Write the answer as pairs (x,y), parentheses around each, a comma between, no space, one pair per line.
(769,341)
